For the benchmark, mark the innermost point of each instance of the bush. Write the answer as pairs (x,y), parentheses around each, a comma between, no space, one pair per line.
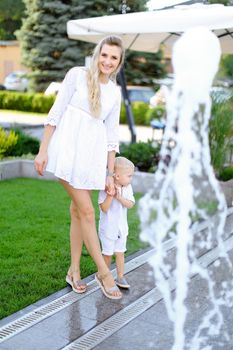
(7,142)
(226,174)
(26,102)
(25,145)
(144,155)
(139,110)
(220,134)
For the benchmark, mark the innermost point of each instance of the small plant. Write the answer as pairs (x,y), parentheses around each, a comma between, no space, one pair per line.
(25,144)
(226,174)
(144,155)
(7,141)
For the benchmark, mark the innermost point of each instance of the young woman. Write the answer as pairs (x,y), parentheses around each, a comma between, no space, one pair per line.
(79,145)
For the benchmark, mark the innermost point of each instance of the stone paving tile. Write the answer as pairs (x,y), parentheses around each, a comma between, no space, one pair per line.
(150,331)
(153,329)
(70,323)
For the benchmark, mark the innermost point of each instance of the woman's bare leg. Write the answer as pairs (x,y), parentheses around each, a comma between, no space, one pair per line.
(82,201)
(76,243)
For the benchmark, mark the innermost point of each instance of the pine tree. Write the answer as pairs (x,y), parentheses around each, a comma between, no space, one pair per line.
(10,20)
(46,49)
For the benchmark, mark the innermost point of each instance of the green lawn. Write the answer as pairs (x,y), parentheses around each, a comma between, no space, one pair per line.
(34,241)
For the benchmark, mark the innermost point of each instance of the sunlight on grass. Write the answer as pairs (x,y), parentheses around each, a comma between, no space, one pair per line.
(34,241)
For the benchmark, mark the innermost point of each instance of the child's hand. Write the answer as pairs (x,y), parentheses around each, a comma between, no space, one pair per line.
(117,192)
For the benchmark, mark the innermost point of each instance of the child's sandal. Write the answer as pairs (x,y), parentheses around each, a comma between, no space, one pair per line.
(107,291)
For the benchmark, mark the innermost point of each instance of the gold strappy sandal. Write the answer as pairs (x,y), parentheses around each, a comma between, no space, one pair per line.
(107,291)
(78,286)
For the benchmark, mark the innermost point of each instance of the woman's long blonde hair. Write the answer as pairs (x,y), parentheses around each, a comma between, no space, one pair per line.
(93,73)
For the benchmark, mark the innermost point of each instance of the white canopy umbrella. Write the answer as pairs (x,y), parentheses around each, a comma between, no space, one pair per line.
(146,31)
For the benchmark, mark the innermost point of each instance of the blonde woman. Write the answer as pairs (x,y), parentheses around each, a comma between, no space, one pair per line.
(79,145)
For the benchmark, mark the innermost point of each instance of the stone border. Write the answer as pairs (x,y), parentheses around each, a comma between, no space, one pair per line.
(142,182)
(25,168)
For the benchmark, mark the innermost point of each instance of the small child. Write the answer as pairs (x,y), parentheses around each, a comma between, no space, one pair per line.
(113,225)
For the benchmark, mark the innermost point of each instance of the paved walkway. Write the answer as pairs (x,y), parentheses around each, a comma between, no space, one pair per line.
(139,321)
(34,125)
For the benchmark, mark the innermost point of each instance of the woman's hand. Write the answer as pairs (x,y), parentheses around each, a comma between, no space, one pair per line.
(40,162)
(110,187)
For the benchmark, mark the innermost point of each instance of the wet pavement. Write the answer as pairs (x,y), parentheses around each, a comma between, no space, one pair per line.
(139,321)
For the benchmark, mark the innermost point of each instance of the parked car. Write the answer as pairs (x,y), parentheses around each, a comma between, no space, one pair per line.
(220,92)
(140,93)
(16,81)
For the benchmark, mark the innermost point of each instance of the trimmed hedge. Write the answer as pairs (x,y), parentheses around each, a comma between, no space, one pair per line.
(27,102)
(39,103)
(143,114)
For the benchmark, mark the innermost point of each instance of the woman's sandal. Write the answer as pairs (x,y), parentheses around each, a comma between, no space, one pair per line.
(78,286)
(107,291)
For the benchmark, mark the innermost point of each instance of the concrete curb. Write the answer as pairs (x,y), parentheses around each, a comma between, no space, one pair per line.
(142,182)
(25,168)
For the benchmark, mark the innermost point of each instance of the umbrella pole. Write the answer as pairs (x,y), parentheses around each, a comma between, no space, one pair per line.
(129,113)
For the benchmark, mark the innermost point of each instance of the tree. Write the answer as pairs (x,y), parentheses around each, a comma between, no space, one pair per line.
(226,65)
(49,53)
(10,20)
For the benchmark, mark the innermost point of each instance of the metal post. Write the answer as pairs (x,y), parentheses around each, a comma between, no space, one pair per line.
(129,113)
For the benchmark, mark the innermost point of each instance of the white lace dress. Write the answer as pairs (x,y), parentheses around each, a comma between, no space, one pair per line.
(78,149)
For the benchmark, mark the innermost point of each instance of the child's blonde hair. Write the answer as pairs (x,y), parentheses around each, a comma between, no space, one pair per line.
(93,72)
(122,163)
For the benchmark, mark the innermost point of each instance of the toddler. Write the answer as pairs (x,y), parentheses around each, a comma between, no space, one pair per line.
(113,225)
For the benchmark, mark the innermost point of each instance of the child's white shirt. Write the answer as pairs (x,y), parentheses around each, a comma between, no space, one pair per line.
(114,222)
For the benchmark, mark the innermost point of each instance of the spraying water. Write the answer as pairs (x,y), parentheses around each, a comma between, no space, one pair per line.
(185,190)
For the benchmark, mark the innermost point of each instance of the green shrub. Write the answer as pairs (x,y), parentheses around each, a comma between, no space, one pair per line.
(226,174)
(220,134)
(139,110)
(26,101)
(123,118)
(7,142)
(144,155)
(25,144)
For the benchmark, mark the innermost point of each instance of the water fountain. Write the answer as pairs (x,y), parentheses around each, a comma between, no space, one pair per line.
(185,190)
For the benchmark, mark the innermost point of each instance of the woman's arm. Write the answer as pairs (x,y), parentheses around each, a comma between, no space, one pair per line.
(41,159)
(110,188)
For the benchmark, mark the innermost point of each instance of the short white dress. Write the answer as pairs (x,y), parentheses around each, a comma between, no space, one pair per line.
(79,147)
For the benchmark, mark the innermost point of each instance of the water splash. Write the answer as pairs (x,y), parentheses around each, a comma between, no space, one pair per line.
(185,190)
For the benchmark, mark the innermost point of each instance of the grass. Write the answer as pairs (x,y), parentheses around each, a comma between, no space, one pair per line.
(34,241)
